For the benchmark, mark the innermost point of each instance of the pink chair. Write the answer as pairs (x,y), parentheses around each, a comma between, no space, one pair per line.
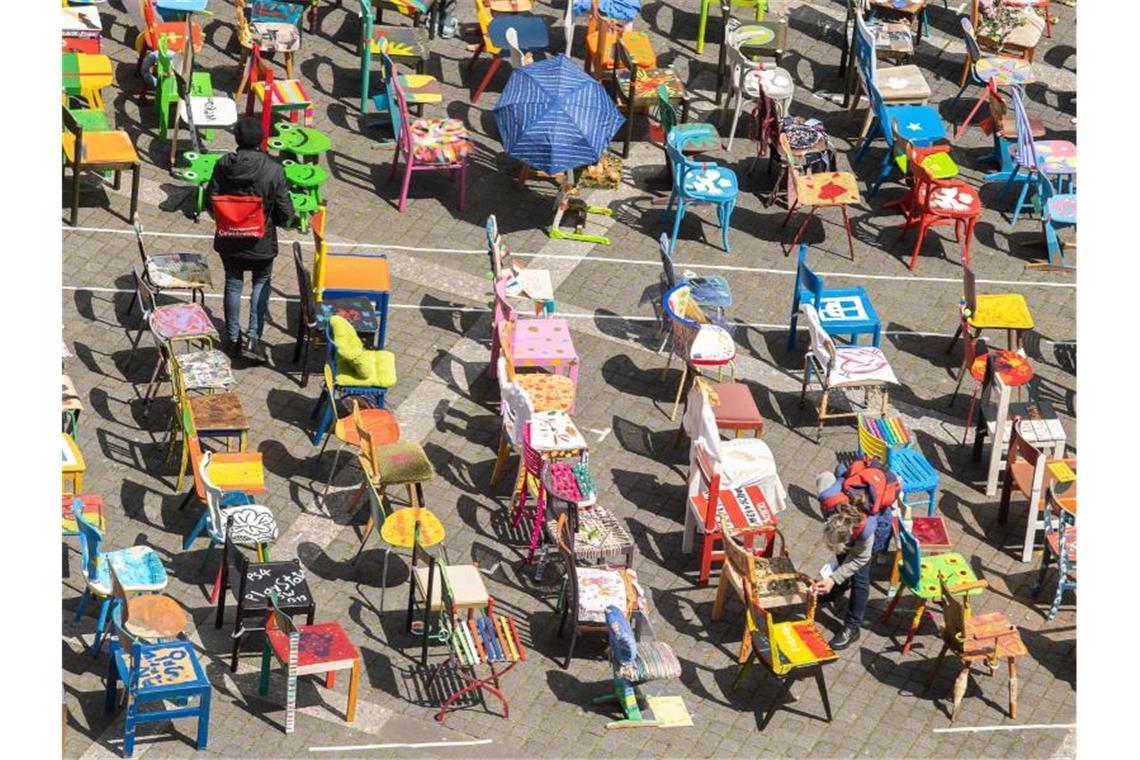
(427,144)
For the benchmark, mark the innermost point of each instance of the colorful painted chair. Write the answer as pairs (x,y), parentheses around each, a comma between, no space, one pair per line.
(444,589)
(529,34)
(698,182)
(700,137)
(101,151)
(1058,212)
(696,340)
(150,27)
(635,88)
(139,569)
(895,85)
(749,79)
(982,69)
(419,89)
(819,190)
(547,391)
(997,311)
(603,35)
(408,45)
(427,145)
(636,658)
(761,7)
(337,274)
(285,96)
(306,649)
(888,440)
(841,311)
(350,370)
(266,35)
(923,575)
(1061,546)
(171,271)
(1048,160)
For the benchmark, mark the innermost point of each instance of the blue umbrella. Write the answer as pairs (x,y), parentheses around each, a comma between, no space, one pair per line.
(618,10)
(555,117)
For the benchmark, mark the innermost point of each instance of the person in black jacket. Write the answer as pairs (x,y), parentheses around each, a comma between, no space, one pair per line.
(249,171)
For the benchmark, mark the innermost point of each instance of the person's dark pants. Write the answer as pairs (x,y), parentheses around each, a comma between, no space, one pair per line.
(259,300)
(860,584)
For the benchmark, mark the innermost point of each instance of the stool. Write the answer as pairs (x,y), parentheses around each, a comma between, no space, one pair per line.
(737,410)
(916,475)
(302,142)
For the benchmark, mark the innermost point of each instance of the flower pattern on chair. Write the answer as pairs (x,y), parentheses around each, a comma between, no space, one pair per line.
(181,320)
(1056,156)
(250,524)
(439,141)
(179,270)
(598,588)
(647,82)
(955,199)
(139,569)
(206,369)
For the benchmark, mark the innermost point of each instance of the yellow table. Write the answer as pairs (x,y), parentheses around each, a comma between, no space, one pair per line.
(73,466)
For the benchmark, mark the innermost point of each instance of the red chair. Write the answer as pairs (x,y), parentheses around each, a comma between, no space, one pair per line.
(931,202)
(153,27)
(746,508)
(275,95)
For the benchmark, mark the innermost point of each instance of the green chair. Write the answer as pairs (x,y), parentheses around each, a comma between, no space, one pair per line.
(166,92)
(408,45)
(761,7)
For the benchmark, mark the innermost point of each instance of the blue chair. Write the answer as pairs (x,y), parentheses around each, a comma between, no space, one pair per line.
(334,391)
(1058,210)
(697,182)
(158,672)
(842,311)
(888,440)
(1060,544)
(1041,159)
(139,568)
(920,124)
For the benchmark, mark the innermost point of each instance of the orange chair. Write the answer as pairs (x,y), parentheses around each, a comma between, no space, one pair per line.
(150,28)
(110,151)
(603,35)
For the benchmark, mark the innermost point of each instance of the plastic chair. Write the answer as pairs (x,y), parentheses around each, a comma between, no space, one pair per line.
(751,78)
(427,145)
(698,182)
(841,311)
(306,649)
(1060,545)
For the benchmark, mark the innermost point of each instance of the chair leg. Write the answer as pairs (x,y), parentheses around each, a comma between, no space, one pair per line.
(680,390)
(914,623)
(785,686)
(960,689)
(406,184)
(500,458)
(495,63)
(822,683)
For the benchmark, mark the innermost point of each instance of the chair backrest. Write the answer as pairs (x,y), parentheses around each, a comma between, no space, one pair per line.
(740,65)
(277,620)
(742,561)
(401,126)
(667,262)
(867,66)
(145,296)
(972,50)
(503,311)
(1021,449)
(276,11)
(705,478)
(496,250)
(122,612)
(911,567)
(666,111)
(90,538)
(516,405)
(483,17)
(516,55)
(956,610)
(214,496)
(822,345)
(195,448)
(376,508)
(565,535)
(505,332)
(367,446)
(305,285)
(1026,150)
(138,227)
(806,279)
(869,443)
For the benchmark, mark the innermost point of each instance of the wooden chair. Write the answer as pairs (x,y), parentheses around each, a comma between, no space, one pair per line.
(603,36)
(316,648)
(988,638)
(1024,473)
(431,581)
(171,271)
(635,88)
(788,650)
(426,145)
(998,311)
(816,191)
(217,416)
(637,658)
(843,368)
(588,591)
(522,281)
(337,274)
(1060,544)
(895,85)
(1019,43)
(149,28)
(101,152)
(774,580)
(241,472)
(288,96)
(696,340)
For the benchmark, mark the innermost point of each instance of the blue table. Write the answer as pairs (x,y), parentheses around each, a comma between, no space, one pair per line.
(531,30)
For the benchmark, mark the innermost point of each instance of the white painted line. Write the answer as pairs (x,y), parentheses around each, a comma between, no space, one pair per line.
(421,745)
(1027,727)
(576,258)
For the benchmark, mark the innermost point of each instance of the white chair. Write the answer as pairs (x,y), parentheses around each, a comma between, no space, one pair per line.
(748,77)
(516,409)
(842,368)
(696,341)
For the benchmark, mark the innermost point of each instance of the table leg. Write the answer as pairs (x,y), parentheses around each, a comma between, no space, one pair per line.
(999,435)
(353,690)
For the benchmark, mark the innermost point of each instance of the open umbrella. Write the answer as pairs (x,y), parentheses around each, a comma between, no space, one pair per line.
(555,117)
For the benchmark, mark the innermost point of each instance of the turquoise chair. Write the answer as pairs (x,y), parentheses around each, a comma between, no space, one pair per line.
(698,182)
(1042,160)
(1058,210)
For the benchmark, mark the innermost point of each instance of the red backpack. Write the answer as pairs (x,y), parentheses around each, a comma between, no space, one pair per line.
(239,216)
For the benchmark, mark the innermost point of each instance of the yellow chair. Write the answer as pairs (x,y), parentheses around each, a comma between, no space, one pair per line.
(85,75)
(992,311)
(213,415)
(73,467)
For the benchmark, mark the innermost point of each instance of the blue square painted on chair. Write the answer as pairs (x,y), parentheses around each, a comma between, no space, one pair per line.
(842,309)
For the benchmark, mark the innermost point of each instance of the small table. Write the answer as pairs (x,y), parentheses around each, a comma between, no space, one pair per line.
(545,343)
(73,466)
(1040,427)
(155,617)
(72,406)
(302,142)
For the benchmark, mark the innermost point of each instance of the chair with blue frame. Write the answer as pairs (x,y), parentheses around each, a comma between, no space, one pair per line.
(350,370)
(1041,159)
(888,440)
(897,85)
(1061,546)
(139,569)
(707,291)
(842,311)
(989,71)
(1058,211)
(698,182)
(156,672)
(921,123)
(347,275)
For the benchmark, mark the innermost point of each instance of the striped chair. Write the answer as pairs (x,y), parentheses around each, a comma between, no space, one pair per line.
(287,96)
(636,659)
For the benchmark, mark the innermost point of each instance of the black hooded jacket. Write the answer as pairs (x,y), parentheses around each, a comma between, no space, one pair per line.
(248,171)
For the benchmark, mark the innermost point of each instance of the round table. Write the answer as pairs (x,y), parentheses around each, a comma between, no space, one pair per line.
(302,142)
(155,617)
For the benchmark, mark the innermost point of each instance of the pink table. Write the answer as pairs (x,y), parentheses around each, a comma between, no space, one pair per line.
(545,343)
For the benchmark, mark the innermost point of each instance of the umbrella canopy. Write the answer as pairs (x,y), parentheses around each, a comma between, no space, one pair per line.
(618,10)
(555,117)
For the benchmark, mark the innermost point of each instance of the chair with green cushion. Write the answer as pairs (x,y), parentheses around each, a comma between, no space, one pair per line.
(922,576)
(761,7)
(351,370)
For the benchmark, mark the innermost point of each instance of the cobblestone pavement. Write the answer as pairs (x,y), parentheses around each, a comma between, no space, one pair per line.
(440,329)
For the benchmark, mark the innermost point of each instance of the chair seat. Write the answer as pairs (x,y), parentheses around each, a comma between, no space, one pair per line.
(920,124)
(1004,71)
(800,644)
(401,463)
(1008,126)
(287,93)
(182,320)
(218,411)
(905,83)
(179,270)
(403,41)
(399,528)
(655,661)
(547,392)
(776,83)
(978,642)
(209,111)
(699,137)
(913,470)
(827,189)
(1062,209)
(600,587)
(439,141)
(303,202)
(468,589)
(139,569)
(712,183)
(237,471)
(93,513)
(636,43)
(206,369)
(745,507)
(1013,368)
(737,409)
(373,369)
(647,82)
(713,346)
(951,565)
(861,364)
(939,165)
(172,664)
(274,36)
(113,147)
(1053,540)
(381,423)
(1002,311)
(320,647)
(954,199)
(420,88)
(1055,156)
(746,460)
(249,524)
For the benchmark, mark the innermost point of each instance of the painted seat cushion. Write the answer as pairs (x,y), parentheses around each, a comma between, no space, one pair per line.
(827,189)
(648,80)
(655,661)
(711,183)
(902,83)
(548,392)
(636,43)
(861,364)
(598,588)
(206,369)
(402,462)
(439,141)
(938,165)
(953,199)
(1056,156)
(172,663)
(181,320)
(249,524)
(318,644)
(1008,311)
(712,345)
(1004,71)
(950,565)
(139,569)
(777,83)
(178,270)
(1062,209)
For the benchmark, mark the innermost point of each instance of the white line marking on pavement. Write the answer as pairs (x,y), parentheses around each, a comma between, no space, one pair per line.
(420,745)
(1026,727)
(600,433)
(576,258)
